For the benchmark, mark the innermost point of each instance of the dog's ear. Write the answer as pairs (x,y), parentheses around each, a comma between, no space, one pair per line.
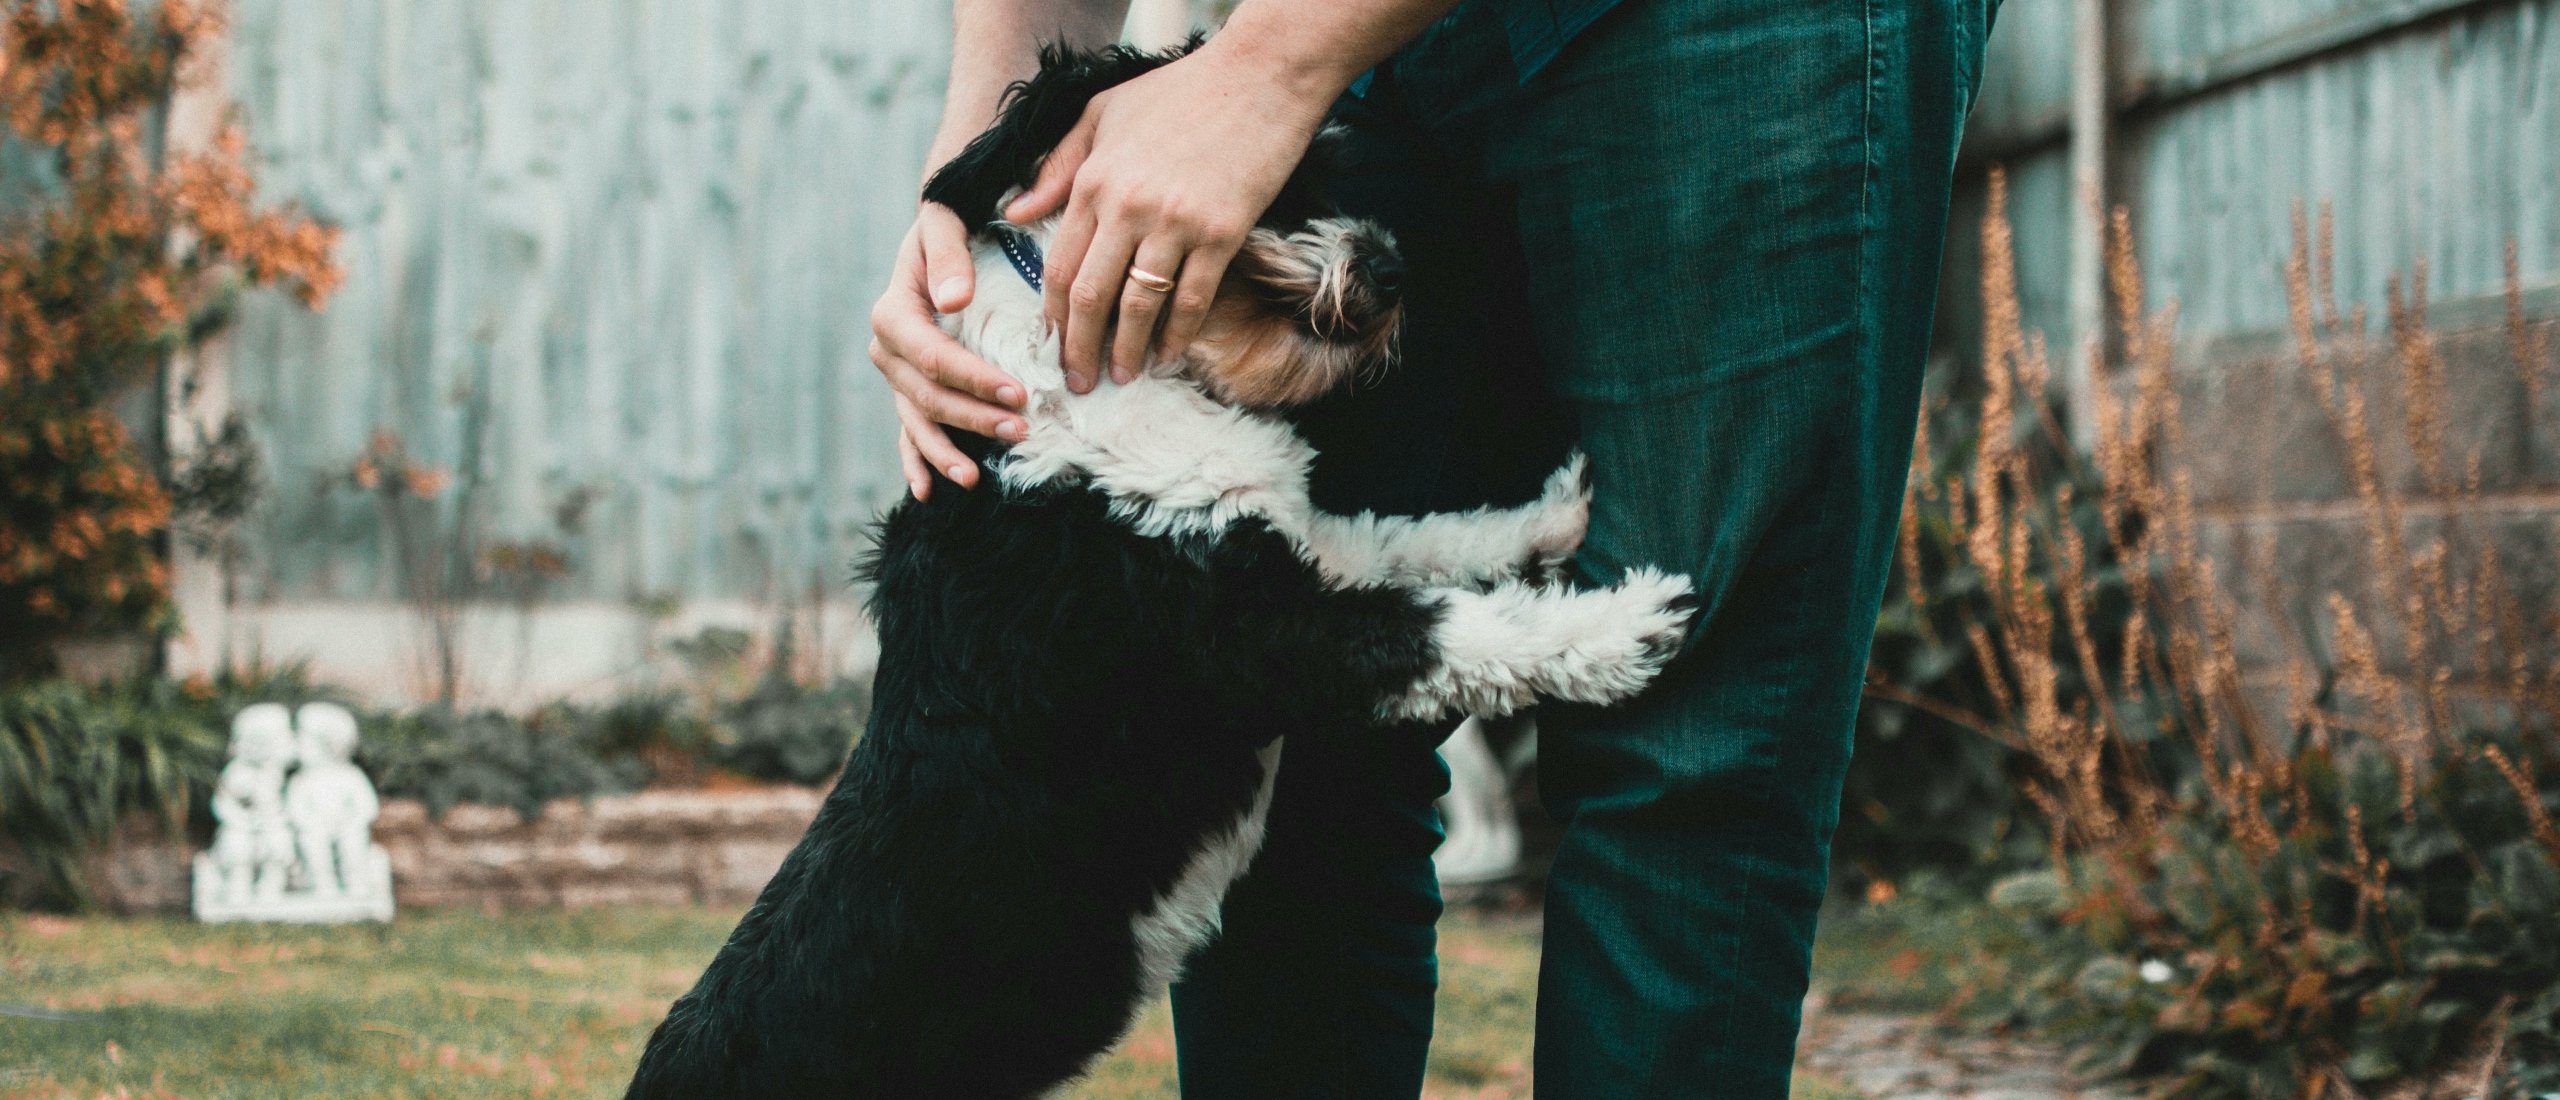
(1036,116)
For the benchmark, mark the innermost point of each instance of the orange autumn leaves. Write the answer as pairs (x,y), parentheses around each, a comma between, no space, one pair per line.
(105,267)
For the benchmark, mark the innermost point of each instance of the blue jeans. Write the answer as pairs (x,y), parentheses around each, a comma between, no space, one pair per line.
(1702,246)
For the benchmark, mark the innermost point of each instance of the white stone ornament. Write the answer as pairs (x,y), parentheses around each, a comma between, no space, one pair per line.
(1481,842)
(296,849)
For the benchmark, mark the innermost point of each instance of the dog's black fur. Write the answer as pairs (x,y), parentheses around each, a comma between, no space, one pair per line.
(1065,711)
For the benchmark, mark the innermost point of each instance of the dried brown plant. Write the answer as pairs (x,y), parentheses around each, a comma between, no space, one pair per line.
(2401,663)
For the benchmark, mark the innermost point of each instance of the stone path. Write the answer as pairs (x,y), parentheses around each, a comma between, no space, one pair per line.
(1896,1057)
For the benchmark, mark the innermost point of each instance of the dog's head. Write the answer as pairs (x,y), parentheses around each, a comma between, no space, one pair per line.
(1309,302)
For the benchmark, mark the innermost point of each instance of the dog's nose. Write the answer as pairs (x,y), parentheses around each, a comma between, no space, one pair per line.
(1382,270)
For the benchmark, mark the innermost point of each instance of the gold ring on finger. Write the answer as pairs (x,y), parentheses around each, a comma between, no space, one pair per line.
(1150,280)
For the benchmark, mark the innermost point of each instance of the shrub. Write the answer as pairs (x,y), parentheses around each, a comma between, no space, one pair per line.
(2352,886)
(118,260)
(786,732)
(75,762)
(442,757)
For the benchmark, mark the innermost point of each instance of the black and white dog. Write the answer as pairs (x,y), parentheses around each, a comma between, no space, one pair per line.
(1087,669)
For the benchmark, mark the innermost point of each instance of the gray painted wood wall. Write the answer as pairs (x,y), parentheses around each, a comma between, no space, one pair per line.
(2432,127)
(613,249)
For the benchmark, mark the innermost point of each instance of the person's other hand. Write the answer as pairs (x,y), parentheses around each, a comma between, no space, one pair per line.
(937,382)
(1166,174)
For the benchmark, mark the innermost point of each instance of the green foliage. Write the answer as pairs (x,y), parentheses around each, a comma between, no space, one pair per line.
(780,732)
(442,757)
(75,763)
(783,731)
(2391,943)
(639,725)
(213,487)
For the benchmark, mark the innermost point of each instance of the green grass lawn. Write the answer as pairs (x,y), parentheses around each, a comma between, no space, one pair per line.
(453,1004)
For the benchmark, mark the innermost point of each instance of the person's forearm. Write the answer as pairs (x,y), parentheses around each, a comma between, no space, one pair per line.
(997,42)
(1311,52)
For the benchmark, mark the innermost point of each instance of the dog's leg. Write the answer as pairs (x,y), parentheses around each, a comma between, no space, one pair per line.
(1497,651)
(1389,652)
(1457,548)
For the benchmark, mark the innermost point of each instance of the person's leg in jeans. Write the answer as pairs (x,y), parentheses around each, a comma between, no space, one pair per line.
(1320,983)
(1719,221)
(1732,212)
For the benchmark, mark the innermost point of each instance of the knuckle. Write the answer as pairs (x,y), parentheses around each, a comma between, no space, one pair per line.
(1190,303)
(1145,204)
(937,406)
(1221,230)
(1189,213)
(1086,295)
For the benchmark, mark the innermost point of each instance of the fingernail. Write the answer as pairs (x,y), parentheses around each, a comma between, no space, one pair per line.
(915,489)
(1008,395)
(948,289)
(1013,431)
(1123,375)
(1079,383)
(957,472)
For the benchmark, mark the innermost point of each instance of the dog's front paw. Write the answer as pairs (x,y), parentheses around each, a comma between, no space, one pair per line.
(1561,515)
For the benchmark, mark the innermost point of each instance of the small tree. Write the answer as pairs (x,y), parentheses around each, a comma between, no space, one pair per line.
(116,259)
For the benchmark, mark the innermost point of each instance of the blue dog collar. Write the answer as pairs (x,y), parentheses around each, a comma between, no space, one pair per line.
(1021,252)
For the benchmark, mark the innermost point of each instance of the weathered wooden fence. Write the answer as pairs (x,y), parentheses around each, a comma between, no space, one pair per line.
(2432,127)
(2431,124)
(608,265)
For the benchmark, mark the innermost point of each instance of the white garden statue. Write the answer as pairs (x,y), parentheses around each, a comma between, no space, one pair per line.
(252,844)
(298,849)
(1482,842)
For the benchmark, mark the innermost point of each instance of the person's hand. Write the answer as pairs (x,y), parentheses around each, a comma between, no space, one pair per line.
(1165,175)
(936,381)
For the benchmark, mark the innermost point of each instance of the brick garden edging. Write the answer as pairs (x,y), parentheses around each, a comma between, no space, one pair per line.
(650,848)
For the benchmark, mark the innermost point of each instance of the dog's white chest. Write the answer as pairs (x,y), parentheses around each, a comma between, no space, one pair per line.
(1186,917)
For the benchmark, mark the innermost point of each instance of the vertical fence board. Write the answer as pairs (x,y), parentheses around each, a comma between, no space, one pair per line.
(614,248)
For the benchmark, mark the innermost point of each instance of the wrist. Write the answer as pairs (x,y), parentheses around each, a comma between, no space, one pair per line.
(1303,75)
